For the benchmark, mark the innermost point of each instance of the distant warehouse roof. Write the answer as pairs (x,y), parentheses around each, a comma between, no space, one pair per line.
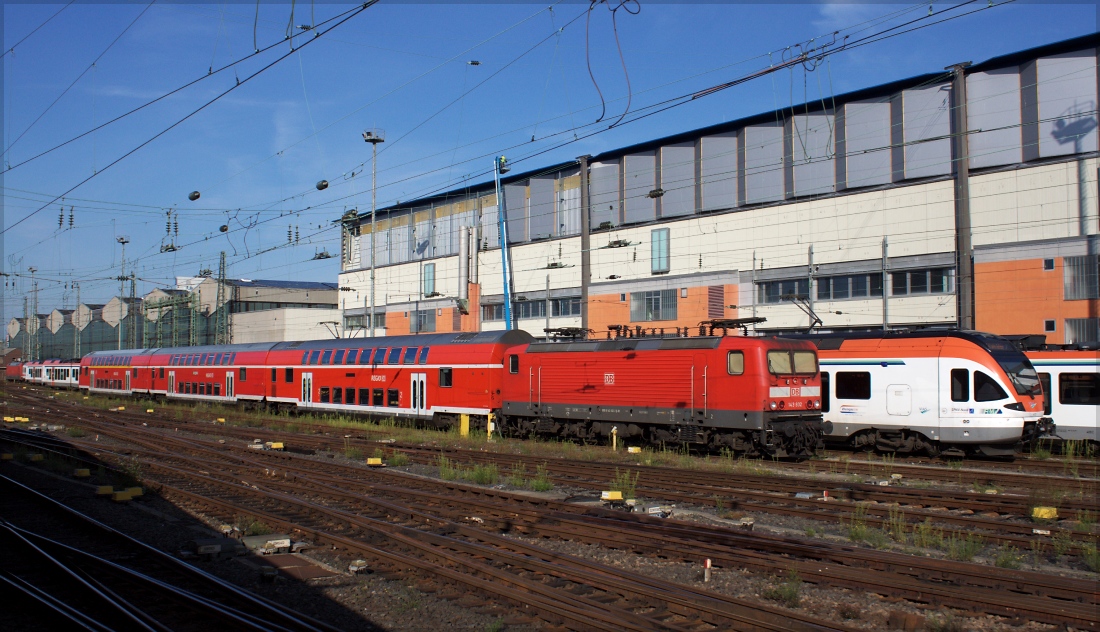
(283,285)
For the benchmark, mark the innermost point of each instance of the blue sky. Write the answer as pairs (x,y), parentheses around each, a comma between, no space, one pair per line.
(256,154)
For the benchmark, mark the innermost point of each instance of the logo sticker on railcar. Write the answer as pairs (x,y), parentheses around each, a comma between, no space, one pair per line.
(796,391)
(609,378)
(849,410)
(378,378)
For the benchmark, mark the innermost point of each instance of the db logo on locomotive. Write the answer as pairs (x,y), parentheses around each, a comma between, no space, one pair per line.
(608,378)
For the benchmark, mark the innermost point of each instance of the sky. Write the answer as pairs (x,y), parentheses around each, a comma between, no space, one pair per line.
(254,138)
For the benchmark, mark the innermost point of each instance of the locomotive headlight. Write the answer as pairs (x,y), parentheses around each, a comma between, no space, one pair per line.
(817,403)
(781,405)
(773,405)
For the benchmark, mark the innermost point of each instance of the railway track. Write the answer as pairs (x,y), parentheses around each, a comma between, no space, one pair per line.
(1055,600)
(78,573)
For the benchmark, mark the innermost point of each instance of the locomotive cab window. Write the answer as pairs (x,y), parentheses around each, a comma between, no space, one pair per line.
(779,362)
(513,363)
(445,377)
(805,362)
(853,385)
(960,385)
(735,362)
(1048,395)
(986,389)
(1079,389)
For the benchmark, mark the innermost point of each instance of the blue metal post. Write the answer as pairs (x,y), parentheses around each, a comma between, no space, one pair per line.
(503,230)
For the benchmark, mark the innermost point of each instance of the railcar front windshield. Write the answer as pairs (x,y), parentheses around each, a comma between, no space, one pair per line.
(1023,376)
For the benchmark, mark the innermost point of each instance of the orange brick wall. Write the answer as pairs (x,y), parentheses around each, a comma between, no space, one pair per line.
(1015,297)
(400,324)
(607,309)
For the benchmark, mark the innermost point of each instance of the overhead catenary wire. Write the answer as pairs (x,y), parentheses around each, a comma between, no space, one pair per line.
(35,30)
(362,8)
(78,78)
(233,64)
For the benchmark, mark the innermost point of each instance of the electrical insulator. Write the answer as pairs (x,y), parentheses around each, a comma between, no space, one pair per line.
(70,217)
(176,226)
(289,234)
(194,196)
(61,218)
(296,234)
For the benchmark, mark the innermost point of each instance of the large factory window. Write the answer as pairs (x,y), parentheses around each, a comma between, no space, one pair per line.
(778,291)
(849,286)
(934,281)
(566,306)
(445,377)
(654,305)
(659,251)
(492,312)
(1082,277)
(853,385)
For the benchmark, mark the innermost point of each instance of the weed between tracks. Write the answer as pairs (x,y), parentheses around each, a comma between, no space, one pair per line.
(787,593)
(1008,557)
(625,483)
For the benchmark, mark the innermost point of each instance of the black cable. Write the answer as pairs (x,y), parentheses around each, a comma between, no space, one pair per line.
(356,12)
(78,78)
(622,59)
(36,29)
(164,96)
(588,59)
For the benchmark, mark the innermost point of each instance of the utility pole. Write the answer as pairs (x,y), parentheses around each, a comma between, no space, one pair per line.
(130,311)
(500,168)
(33,315)
(373,137)
(885,285)
(76,325)
(221,326)
(964,251)
(121,286)
(586,243)
(26,330)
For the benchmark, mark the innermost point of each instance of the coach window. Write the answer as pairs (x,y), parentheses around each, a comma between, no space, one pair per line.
(218,358)
(393,397)
(410,355)
(378,398)
(326,356)
(134,372)
(305,357)
(217,389)
(1048,395)
(339,357)
(379,355)
(289,375)
(314,355)
(853,385)
(986,389)
(395,356)
(364,356)
(162,373)
(513,363)
(960,385)
(423,356)
(274,374)
(1079,389)
(243,374)
(825,393)
(349,395)
(364,397)
(445,377)
(352,353)
(337,395)
(735,362)
(324,395)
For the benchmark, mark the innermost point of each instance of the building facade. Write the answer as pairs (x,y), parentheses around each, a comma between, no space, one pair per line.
(842,212)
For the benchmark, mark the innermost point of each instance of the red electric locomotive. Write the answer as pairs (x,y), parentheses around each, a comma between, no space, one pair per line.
(753,395)
(14,371)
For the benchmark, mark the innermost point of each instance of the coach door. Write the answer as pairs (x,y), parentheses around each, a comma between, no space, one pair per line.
(307,388)
(126,380)
(229,391)
(171,381)
(419,393)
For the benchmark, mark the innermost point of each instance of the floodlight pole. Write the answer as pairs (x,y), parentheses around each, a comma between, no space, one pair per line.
(373,137)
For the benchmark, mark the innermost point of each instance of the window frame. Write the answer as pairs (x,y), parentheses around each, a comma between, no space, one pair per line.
(446,377)
(659,251)
(850,386)
(730,364)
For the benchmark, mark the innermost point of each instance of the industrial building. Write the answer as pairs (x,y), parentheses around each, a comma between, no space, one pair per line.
(196,312)
(848,213)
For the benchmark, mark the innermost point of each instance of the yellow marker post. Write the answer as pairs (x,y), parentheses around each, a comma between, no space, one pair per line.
(464,425)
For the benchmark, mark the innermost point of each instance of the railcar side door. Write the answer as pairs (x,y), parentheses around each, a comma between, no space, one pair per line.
(307,388)
(419,393)
(171,382)
(229,390)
